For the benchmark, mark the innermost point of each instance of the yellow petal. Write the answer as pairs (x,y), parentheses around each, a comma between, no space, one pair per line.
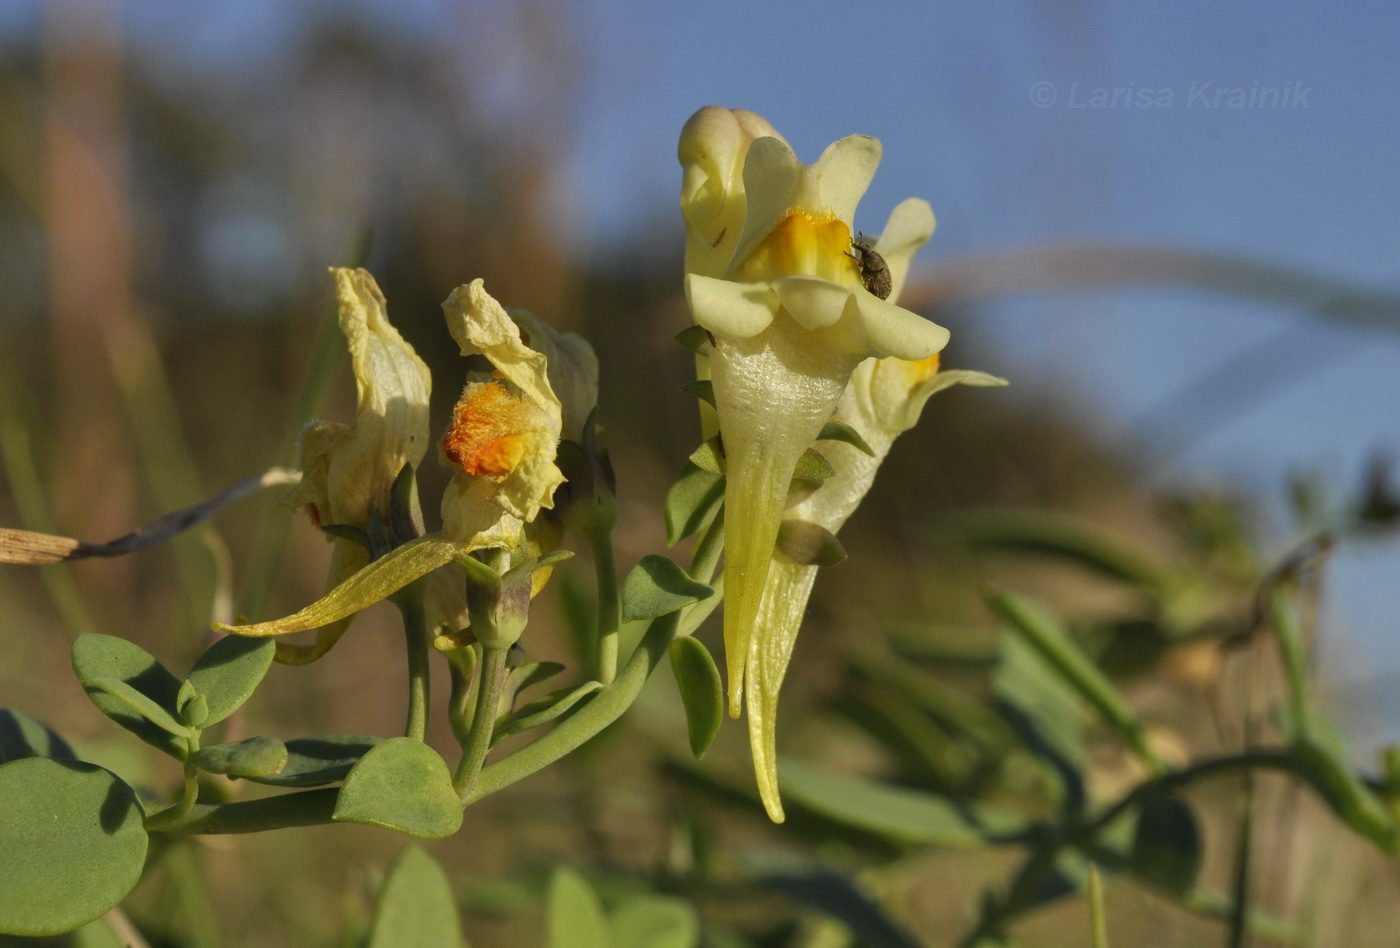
(376,582)
(391,413)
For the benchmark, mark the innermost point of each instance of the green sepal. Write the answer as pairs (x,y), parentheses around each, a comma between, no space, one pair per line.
(812,466)
(657,586)
(22,736)
(345,531)
(702,389)
(228,673)
(691,502)
(72,844)
(316,761)
(840,431)
(401,785)
(415,908)
(709,456)
(253,757)
(695,338)
(405,513)
(809,544)
(106,656)
(702,692)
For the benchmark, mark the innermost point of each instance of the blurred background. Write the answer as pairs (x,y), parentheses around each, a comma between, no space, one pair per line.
(1173,229)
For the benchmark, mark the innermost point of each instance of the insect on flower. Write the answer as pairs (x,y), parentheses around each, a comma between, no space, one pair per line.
(874,272)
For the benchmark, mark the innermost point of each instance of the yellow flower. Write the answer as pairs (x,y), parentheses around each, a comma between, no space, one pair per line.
(501,445)
(884,399)
(783,297)
(348,470)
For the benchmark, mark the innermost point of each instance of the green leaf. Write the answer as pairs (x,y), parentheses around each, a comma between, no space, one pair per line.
(657,586)
(105,656)
(23,736)
(839,431)
(809,544)
(1167,844)
(545,709)
(1352,801)
(416,908)
(1063,535)
(315,761)
(72,844)
(896,813)
(702,693)
(253,757)
(402,785)
(691,502)
(1044,634)
(709,457)
(138,704)
(574,916)
(702,389)
(227,674)
(654,921)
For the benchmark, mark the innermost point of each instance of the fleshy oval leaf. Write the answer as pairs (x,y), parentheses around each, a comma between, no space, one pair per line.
(657,586)
(72,844)
(702,693)
(252,757)
(402,785)
(228,672)
(316,761)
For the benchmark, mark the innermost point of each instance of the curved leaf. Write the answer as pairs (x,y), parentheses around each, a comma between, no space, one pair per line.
(253,757)
(702,692)
(23,736)
(315,761)
(574,916)
(657,586)
(106,656)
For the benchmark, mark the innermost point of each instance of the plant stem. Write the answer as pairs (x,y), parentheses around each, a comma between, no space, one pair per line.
(603,709)
(488,697)
(415,630)
(706,556)
(609,612)
(302,808)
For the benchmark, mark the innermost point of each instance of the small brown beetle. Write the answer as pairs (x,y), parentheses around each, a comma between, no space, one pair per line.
(874,272)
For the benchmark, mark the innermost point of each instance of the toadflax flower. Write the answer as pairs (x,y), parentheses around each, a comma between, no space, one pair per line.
(803,322)
(501,444)
(772,277)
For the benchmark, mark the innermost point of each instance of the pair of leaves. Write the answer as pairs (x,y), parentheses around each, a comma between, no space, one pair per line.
(72,839)
(656,587)
(575,919)
(133,689)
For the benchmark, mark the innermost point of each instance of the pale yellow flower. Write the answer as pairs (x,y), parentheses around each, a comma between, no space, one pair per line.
(783,298)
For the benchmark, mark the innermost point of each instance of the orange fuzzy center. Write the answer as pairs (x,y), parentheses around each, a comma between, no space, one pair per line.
(491,430)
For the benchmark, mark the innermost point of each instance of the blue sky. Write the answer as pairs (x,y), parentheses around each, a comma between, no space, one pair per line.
(958,94)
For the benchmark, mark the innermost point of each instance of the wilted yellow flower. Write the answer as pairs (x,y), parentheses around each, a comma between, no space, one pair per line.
(783,297)
(502,444)
(348,470)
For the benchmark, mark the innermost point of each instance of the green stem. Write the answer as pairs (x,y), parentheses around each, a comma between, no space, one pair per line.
(488,697)
(415,630)
(303,808)
(609,611)
(706,556)
(603,709)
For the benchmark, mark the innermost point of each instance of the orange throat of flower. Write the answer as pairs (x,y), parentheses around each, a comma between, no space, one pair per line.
(815,244)
(491,430)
